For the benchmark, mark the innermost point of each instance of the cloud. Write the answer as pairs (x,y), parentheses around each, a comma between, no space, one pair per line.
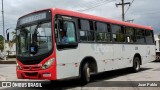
(138,10)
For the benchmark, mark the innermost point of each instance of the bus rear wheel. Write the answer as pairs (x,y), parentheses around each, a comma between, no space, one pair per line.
(136,64)
(85,74)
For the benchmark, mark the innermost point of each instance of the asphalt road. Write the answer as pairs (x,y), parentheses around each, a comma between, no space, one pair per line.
(122,79)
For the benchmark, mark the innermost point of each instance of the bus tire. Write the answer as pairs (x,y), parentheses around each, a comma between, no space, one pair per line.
(85,74)
(136,64)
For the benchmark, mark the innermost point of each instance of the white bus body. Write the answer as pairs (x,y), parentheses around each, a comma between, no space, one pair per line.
(116,57)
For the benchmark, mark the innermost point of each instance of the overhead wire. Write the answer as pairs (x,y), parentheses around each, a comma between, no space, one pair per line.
(103,3)
(129,7)
(88,4)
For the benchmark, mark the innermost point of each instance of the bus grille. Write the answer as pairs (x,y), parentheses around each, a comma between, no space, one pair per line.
(31,74)
(31,68)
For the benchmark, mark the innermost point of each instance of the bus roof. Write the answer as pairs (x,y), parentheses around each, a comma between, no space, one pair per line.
(87,16)
(92,17)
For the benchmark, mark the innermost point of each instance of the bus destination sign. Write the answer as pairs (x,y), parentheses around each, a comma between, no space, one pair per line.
(34,17)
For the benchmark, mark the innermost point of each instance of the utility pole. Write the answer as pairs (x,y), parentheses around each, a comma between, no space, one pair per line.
(4,49)
(123,4)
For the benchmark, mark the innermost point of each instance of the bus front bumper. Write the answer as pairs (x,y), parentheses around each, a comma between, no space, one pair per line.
(49,74)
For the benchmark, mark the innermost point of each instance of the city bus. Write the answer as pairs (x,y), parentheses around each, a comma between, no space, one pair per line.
(55,44)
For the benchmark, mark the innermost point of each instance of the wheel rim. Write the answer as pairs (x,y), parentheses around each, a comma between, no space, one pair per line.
(88,73)
(137,65)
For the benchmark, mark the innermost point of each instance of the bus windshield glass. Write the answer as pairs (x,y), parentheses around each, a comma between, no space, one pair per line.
(34,40)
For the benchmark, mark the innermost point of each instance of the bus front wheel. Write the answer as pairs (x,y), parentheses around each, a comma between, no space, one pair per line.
(85,74)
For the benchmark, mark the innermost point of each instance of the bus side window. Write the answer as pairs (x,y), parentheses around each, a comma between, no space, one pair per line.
(129,34)
(103,32)
(117,33)
(67,32)
(70,31)
(140,36)
(86,30)
(149,37)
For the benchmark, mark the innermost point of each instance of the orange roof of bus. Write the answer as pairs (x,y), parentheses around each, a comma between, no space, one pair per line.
(87,16)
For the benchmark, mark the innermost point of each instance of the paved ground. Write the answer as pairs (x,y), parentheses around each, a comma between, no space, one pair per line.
(9,59)
(149,72)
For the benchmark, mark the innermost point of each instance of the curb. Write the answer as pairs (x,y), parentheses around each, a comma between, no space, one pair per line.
(7,62)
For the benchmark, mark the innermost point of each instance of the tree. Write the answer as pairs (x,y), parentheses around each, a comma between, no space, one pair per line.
(13,41)
(1,42)
(14,36)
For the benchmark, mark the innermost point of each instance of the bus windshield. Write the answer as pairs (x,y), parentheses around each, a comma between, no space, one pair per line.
(34,40)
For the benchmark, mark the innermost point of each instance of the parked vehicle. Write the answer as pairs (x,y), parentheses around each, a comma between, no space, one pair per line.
(157,42)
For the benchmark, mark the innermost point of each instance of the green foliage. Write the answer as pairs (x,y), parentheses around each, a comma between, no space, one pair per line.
(11,42)
(14,36)
(1,43)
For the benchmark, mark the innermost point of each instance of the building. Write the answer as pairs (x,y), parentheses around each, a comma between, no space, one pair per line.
(10,50)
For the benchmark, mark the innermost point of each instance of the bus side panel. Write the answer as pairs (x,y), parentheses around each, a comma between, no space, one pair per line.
(150,54)
(107,56)
(102,53)
(120,56)
(142,50)
(123,55)
(146,52)
(153,52)
(67,63)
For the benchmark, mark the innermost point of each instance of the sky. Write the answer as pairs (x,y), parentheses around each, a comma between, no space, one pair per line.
(143,12)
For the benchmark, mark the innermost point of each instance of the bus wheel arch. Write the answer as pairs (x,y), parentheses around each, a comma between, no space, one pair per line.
(87,63)
(139,56)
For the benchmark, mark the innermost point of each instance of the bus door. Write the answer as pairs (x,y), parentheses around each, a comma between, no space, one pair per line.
(67,47)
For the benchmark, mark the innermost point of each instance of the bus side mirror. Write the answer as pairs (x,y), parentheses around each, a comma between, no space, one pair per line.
(7,36)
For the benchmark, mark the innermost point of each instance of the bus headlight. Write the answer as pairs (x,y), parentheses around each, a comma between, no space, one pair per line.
(48,63)
(18,66)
